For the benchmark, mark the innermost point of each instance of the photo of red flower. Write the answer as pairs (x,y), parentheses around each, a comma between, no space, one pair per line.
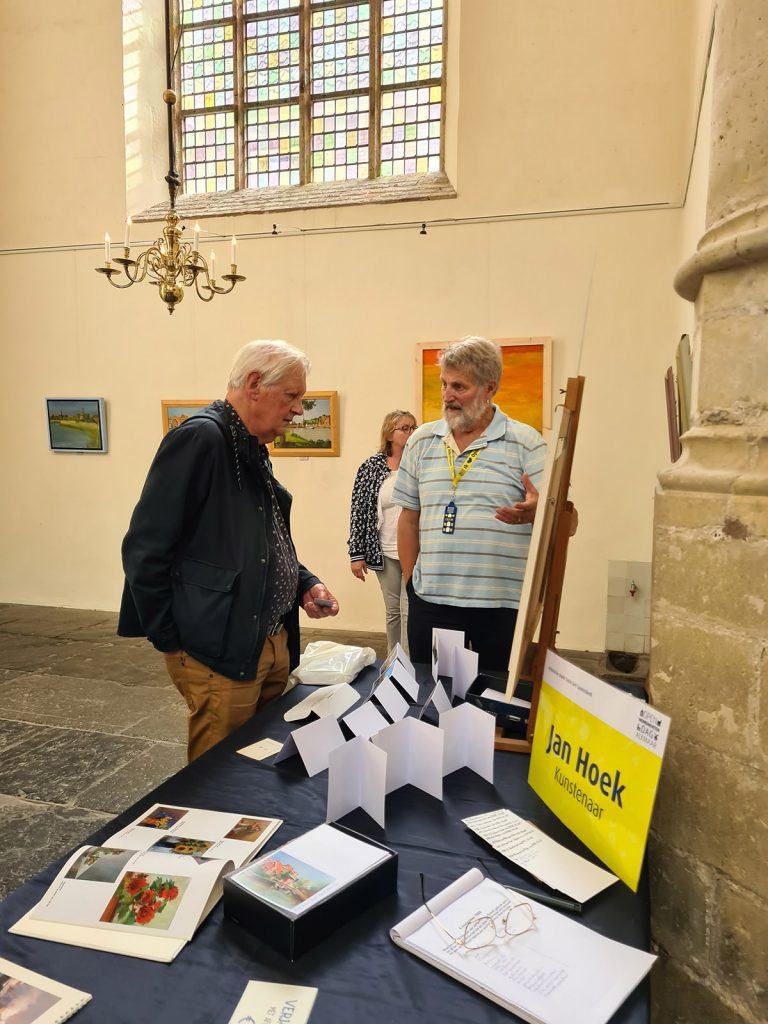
(146,900)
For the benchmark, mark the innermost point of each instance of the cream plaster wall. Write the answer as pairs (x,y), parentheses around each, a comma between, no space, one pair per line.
(587,105)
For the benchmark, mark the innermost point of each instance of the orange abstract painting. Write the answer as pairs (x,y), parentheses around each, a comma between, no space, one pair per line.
(521,394)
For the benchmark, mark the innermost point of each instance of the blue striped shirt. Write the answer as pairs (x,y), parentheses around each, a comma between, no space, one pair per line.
(482,563)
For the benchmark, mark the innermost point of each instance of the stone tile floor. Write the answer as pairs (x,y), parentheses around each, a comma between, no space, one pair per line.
(88,723)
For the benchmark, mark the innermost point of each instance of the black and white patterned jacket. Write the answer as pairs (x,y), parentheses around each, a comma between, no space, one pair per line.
(363,517)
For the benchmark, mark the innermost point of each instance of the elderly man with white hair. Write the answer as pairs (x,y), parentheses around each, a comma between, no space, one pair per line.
(211,573)
(467,487)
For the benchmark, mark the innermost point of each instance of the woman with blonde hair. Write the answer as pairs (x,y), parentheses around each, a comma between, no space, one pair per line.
(373,522)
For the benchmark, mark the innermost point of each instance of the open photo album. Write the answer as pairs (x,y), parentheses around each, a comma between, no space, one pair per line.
(145,891)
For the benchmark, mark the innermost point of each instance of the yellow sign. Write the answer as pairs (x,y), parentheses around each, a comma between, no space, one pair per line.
(596,761)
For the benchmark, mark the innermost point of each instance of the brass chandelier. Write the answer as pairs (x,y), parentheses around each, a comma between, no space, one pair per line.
(169,263)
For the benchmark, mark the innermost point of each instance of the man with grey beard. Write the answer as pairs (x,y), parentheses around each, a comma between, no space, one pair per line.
(467,487)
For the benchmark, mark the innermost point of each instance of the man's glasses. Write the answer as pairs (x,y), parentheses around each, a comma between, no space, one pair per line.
(482,931)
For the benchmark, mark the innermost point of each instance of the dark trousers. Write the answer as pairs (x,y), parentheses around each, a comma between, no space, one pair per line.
(488,631)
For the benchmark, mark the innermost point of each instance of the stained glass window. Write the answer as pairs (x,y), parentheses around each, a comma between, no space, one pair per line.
(277,93)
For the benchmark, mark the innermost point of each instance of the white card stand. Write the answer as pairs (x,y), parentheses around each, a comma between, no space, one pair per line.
(313,743)
(388,696)
(406,680)
(404,660)
(463,671)
(357,774)
(447,642)
(439,699)
(414,756)
(366,720)
(469,737)
(324,702)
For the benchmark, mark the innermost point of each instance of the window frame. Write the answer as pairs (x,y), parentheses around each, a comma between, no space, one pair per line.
(254,197)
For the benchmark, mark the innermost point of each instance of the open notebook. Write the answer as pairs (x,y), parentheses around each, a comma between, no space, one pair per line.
(34,999)
(555,972)
(146,890)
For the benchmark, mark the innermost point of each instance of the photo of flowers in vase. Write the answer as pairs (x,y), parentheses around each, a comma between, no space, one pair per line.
(283,880)
(184,847)
(163,817)
(150,901)
(98,864)
(247,829)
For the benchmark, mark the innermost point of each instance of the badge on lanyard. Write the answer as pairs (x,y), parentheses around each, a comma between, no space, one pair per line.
(449,517)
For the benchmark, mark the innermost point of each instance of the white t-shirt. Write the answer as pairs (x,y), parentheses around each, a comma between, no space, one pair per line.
(388,514)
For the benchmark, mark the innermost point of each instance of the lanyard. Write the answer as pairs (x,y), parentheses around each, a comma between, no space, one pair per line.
(464,469)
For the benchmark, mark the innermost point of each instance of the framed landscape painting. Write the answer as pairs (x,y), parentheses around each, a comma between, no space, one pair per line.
(525,391)
(76,425)
(175,412)
(314,433)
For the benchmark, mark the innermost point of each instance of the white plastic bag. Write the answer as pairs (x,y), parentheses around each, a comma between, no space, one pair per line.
(325,663)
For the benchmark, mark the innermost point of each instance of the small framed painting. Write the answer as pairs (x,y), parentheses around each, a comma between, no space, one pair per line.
(314,433)
(524,392)
(175,412)
(76,425)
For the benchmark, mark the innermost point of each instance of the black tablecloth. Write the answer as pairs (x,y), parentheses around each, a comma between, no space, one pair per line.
(361,975)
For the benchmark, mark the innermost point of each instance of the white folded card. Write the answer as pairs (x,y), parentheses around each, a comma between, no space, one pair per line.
(438,698)
(313,743)
(527,846)
(447,641)
(414,756)
(366,720)
(464,671)
(405,679)
(469,737)
(357,775)
(404,660)
(388,696)
(318,697)
(265,1001)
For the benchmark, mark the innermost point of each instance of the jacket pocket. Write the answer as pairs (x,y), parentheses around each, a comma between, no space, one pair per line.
(202,601)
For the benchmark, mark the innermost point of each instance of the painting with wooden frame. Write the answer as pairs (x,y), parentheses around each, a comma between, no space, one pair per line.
(316,432)
(525,390)
(175,411)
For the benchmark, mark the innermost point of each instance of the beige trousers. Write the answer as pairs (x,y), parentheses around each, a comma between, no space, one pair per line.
(218,705)
(395,603)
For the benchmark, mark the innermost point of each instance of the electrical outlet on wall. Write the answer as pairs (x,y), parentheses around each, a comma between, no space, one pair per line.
(628,623)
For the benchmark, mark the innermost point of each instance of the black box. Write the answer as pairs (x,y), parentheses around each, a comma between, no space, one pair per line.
(295,936)
(512,720)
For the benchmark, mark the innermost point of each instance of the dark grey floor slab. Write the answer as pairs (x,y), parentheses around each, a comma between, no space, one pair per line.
(77,703)
(27,653)
(169,724)
(126,785)
(132,665)
(11,734)
(37,620)
(55,765)
(32,835)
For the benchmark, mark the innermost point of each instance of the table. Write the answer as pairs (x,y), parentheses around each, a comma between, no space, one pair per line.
(361,975)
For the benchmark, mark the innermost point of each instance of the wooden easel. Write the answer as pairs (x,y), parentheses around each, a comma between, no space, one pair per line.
(543,586)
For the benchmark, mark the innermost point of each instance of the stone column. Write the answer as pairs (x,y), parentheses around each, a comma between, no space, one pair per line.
(709,657)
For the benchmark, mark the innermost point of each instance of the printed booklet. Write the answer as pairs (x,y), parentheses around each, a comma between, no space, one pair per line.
(146,890)
(30,998)
(539,964)
(308,870)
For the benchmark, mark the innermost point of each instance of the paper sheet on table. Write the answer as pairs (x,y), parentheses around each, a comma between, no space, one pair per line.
(527,846)
(555,970)
(389,697)
(469,737)
(357,774)
(414,756)
(447,641)
(405,680)
(366,720)
(268,1001)
(261,749)
(463,671)
(313,743)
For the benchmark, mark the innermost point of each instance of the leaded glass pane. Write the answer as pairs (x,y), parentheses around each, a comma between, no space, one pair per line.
(411,41)
(340,138)
(194,11)
(268,6)
(410,131)
(341,48)
(272,59)
(208,148)
(207,67)
(272,146)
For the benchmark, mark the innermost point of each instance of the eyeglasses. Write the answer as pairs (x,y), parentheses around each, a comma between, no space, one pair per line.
(408,429)
(482,931)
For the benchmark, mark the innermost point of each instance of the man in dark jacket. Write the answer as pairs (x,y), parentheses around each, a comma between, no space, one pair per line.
(212,577)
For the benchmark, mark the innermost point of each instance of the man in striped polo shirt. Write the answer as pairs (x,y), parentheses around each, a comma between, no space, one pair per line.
(467,487)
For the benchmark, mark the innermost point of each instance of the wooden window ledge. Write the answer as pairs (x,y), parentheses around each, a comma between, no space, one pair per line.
(307,197)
